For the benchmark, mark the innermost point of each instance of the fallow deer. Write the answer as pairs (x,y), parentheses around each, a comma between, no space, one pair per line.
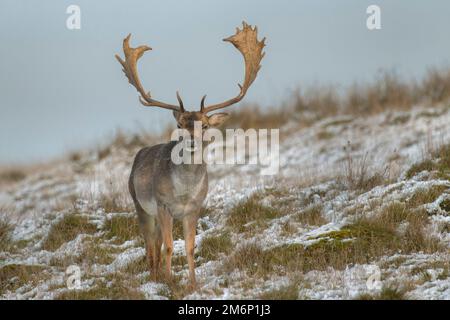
(163,191)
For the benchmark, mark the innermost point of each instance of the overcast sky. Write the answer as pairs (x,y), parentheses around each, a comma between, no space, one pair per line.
(62,89)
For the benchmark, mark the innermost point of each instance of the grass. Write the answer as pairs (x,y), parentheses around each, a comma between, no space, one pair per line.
(12,175)
(312,216)
(357,175)
(93,252)
(424,196)
(362,241)
(288,292)
(13,276)
(250,210)
(114,202)
(213,245)
(115,288)
(122,228)
(6,241)
(66,230)
(386,293)
(438,161)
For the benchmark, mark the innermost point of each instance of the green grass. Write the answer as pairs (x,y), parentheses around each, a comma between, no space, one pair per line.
(67,229)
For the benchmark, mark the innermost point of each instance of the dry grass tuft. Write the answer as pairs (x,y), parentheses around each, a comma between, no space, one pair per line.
(66,230)
(13,276)
(250,210)
(386,293)
(312,216)
(438,161)
(122,228)
(5,235)
(213,245)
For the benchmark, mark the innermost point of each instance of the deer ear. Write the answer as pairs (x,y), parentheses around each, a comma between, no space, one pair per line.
(217,119)
(176,115)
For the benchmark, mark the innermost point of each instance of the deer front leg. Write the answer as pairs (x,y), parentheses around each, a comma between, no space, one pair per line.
(189,229)
(166,222)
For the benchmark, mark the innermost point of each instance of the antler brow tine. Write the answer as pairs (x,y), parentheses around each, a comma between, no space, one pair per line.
(132,55)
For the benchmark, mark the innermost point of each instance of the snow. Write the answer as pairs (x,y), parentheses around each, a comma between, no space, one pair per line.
(309,170)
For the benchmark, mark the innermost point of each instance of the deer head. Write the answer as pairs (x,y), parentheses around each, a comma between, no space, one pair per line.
(244,40)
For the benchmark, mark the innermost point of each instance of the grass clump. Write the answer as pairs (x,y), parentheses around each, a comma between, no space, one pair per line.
(423,196)
(386,293)
(213,245)
(122,228)
(6,241)
(312,216)
(250,210)
(439,162)
(66,230)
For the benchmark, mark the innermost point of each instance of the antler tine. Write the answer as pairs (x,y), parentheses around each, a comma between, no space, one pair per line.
(246,41)
(202,103)
(132,55)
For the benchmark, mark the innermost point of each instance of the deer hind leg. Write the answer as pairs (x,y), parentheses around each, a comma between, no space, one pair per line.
(166,223)
(189,230)
(150,232)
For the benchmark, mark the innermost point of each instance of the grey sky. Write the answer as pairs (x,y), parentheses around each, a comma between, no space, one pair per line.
(63,89)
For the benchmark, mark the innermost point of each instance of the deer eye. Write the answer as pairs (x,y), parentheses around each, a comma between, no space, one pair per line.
(205,126)
(178,126)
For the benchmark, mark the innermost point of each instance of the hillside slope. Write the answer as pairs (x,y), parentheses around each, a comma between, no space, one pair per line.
(356,199)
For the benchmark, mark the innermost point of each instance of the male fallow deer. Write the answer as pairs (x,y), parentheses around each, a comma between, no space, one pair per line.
(163,191)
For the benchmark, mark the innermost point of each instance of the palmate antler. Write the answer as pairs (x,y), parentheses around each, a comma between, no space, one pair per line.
(132,55)
(246,41)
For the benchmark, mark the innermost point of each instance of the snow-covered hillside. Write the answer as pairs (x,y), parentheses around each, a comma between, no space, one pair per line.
(301,230)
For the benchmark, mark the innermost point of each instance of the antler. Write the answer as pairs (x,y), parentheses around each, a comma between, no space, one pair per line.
(246,41)
(132,55)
